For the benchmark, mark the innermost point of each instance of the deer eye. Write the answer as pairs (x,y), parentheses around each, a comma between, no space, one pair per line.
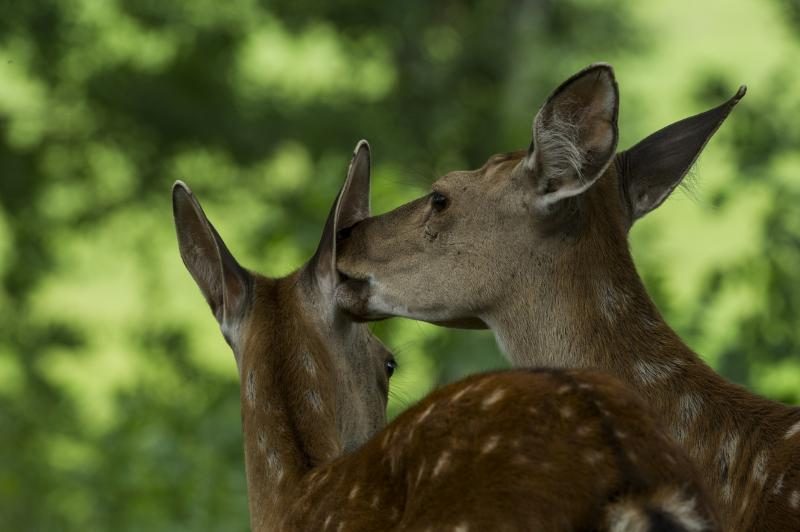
(439,201)
(391,366)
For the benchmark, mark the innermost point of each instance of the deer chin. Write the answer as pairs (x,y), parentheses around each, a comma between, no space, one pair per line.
(355,297)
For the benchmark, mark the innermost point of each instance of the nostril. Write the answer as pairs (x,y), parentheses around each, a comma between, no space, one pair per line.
(343,234)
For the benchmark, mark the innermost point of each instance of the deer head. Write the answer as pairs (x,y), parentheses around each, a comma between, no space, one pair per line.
(313,383)
(540,214)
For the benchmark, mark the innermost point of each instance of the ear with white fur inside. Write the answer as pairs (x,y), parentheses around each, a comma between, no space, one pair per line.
(574,135)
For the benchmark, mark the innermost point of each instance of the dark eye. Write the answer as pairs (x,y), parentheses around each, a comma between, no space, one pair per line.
(439,201)
(391,365)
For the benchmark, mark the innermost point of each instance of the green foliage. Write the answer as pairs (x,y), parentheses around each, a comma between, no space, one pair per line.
(118,397)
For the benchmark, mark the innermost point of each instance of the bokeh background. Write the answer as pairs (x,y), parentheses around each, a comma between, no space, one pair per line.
(119,403)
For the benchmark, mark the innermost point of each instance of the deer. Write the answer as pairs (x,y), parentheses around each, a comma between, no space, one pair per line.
(533,245)
(524,449)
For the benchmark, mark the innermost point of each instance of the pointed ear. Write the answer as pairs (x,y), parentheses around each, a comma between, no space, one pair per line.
(225,285)
(574,135)
(351,206)
(650,170)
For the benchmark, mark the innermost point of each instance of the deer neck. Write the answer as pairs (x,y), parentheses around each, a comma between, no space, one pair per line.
(287,422)
(591,315)
(602,317)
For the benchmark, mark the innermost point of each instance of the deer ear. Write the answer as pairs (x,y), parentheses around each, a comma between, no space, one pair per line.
(351,206)
(650,170)
(574,135)
(224,284)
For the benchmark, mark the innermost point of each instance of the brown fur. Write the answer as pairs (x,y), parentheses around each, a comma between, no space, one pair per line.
(559,288)
(352,390)
(557,451)
(518,450)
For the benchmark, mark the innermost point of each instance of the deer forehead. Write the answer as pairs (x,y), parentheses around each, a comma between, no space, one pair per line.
(479,185)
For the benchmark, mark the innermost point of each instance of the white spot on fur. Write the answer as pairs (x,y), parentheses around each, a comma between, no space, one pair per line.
(425,413)
(309,364)
(410,435)
(760,473)
(321,478)
(353,492)
(493,398)
(340,528)
(394,458)
(273,462)
(745,502)
(459,394)
(729,455)
(794,499)
(251,387)
(584,430)
(727,492)
(563,389)
(442,463)
(592,457)
(611,300)
(463,527)
(327,522)
(651,372)
(620,434)
(314,400)
(690,406)
(794,429)
(490,444)
(420,473)
(627,518)
(778,487)
(566,412)
(375,501)
(262,441)
(651,322)
(631,515)
(682,511)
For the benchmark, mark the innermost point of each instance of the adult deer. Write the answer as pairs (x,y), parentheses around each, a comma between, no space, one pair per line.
(534,245)
(516,450)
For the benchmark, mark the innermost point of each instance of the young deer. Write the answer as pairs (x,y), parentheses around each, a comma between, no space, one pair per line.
(516,450)
(534,246)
